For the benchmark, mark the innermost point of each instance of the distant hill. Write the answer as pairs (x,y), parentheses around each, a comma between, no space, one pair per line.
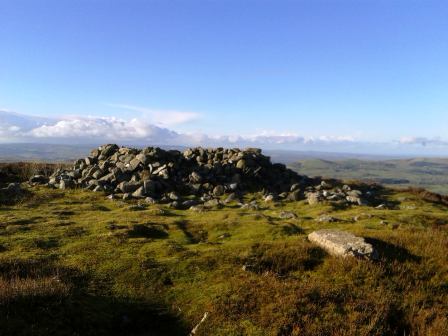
(42,152)
(430,173)
(68,152)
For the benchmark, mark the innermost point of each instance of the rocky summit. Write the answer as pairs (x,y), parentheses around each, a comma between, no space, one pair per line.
(197,175)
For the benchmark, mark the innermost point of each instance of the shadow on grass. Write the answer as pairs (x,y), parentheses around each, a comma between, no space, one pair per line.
(64,213)
(382,196)
(39,298)
(147,231)
(194,235)
(339,206)
(291,229)
(389,252)
(11,198)
(31,220)
(282,258)
(99,207)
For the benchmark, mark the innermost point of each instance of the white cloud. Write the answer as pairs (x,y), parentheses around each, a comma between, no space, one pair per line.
(423,141)
(16,127)
(111,129)
(103,129)
(162,118)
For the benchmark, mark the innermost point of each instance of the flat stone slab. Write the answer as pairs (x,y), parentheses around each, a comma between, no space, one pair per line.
(343,244)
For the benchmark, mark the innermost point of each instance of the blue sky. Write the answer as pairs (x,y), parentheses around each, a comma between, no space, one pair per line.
(372,71)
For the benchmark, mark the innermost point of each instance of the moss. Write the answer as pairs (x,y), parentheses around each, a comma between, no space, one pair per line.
(88,263)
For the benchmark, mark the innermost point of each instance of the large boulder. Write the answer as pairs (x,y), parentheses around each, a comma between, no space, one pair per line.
(343,244)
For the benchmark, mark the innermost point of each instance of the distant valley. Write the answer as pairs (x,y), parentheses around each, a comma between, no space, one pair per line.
(430,173)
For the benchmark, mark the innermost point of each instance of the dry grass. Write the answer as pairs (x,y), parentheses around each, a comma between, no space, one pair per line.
(428,195)
(16,288)
(22,171)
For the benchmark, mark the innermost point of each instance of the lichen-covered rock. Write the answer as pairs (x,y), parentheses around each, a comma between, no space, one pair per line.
(314,198)
(218,190)
(287,215)
(343,244)
(326,219)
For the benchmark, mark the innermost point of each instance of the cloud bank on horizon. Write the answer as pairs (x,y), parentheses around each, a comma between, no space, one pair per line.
(15,127)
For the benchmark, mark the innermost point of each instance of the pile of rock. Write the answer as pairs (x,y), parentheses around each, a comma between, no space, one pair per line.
(195,176)
(171,174)
(343,194)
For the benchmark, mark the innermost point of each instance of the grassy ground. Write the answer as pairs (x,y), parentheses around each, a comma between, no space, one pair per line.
(74,263)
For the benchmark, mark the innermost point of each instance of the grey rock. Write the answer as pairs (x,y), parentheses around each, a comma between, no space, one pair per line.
(354,193)
(212,203)
(355,200)
(250,206)
(241,164)
(197,208)
(89,160)
(150,200)
(294,187)
(139,193)
(232,197)
(189,203)
(133,164)
(314,198)
(343,244)
(218,190)
(294,196)
(326,219)
(195,177)
(174,205)
(129,187)
(287,215)
(107,151)
(325,185)
(144,159)
(269,198)
(233,186)
(137,207)
(66,184)
(173,196)
(98,174)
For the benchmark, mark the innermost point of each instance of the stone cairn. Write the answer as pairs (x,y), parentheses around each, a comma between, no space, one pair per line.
(195,176)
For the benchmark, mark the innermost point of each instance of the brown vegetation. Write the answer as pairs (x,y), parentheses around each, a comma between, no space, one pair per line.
(22,171)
